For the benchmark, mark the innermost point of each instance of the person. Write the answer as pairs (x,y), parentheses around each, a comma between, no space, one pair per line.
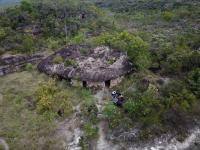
(117,98)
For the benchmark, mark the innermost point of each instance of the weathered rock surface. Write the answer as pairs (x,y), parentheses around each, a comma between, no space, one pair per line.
(98,65)
(13,63)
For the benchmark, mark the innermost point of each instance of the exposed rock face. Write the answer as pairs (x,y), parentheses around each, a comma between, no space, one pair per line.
(13,63)
(98,65)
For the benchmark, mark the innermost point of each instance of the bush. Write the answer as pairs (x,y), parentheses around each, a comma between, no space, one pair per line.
(57,59)
(181,60)
(2,34)
(51,99)
(78,39)
(184,99)
(114,115)
(193,80)
(29,67)
(167,15)
(70,62)
(83,51)
(26,6)
(135,47)
(53,43)
(142,105)
(176,94)
(90,131)
(23,43)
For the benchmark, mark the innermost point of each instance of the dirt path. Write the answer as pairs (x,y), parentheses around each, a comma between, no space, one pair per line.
(69,129)
(5,145)
(102,143)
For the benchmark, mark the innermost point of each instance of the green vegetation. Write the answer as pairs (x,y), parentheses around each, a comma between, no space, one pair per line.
(194,81)
(168,16)
(161,39)
(83,51)
(20,124)
(52,99)
(58,59)
(114,115)
(46,20)
(135,47)
(89,113)
(70,62)
(90,131)
(29,114)
(29,67)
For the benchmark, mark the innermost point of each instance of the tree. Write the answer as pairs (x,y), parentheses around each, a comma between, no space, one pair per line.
(135,47)
(26,6)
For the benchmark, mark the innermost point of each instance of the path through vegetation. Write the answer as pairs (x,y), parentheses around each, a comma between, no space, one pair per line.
(102,143)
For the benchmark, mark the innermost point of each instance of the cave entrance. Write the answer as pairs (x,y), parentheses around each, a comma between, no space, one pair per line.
(107,83)
(84,84)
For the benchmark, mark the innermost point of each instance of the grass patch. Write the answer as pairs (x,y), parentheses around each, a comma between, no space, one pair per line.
(57,59)
(70,62)
(22,125)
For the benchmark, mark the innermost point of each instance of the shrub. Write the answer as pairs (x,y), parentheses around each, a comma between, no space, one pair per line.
(28,44)
(29,67)
(193,80)
(26,6)
(177,94)
(184,99)
(78,39)
(89,109)
(167,15)
(2,33)
(53,43)
(135,47)
(51,99)
(181,60)
(57,59)
(70,62)
(143,105)
(113,114)
(90,131)
(83,51)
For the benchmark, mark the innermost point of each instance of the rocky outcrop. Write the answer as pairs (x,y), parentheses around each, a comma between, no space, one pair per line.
(13,63)
(98,65)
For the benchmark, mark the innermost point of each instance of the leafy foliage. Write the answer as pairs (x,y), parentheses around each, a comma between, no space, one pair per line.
(168,16)
(61,21)
(58,59)
(194,81)
(49,99)
(135,47)
(114,115)
(29,67)
(90,131)
(142,105)
(70,62)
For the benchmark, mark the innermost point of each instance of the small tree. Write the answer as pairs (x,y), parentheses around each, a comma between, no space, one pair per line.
(135,47)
